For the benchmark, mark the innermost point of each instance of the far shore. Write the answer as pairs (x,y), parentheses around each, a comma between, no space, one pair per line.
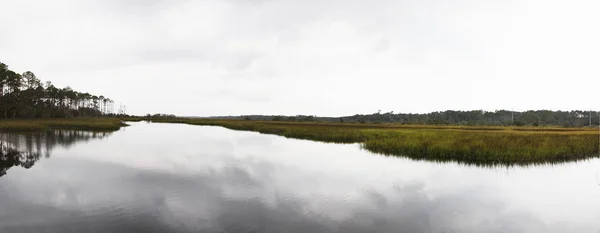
(484,145)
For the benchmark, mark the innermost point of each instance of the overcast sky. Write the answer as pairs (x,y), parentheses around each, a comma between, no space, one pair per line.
(318,57)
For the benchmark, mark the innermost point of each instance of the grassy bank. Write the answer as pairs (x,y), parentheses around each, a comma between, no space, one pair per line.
(479,145)
(89,124)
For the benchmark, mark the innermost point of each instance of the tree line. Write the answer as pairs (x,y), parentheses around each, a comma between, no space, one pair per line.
(25,96)
(575,118)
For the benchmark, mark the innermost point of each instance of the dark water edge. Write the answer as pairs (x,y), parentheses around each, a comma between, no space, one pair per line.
(178,178)
(25,149)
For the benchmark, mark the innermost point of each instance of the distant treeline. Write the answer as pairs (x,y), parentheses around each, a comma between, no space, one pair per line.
(160,115)
(475,118)
(25,96)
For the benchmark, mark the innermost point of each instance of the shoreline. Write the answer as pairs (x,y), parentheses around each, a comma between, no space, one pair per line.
(481,145)
(100,124)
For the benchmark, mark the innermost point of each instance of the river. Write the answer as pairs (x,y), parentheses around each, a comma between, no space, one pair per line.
(179,178)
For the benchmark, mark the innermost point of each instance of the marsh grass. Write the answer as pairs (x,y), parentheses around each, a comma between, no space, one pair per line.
(88,124)
(487,147)
(473,145)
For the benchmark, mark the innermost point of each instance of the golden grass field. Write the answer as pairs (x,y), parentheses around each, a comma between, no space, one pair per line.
(466,144)
(90,124)
(476,145)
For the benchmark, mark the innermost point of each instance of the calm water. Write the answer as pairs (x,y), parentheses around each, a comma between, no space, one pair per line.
(179,178)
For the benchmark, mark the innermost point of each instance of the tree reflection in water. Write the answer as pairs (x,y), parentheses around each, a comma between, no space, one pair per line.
(26,149)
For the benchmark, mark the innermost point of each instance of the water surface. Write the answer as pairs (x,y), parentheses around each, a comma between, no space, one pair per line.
(180,178)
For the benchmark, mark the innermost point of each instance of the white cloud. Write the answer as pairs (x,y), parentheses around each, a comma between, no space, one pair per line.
(220,57)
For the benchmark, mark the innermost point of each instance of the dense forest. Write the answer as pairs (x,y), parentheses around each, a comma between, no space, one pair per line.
(475,118)
(25,96)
